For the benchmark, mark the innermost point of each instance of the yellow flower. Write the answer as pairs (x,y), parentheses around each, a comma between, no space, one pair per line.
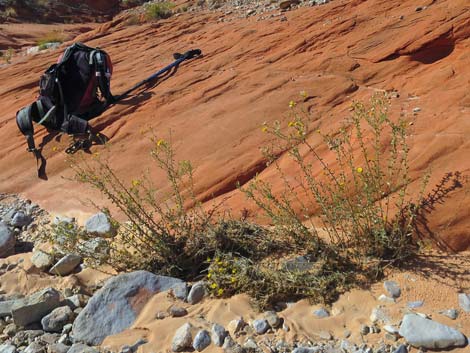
(264,129)
(291,123)
(136,182)
(54,148)
(209,275)
(234,271)
(232,279)
(359,170)
(303,94)
(161,142)
(208,259)
(220,292)
(214,285)
(292,104)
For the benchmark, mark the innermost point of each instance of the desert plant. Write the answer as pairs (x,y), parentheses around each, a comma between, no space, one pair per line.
(133,20)
(51,37)
(366,210)
(363,197)
(167,231)
(159,10)
(271,281)
(10,12)
(8,55)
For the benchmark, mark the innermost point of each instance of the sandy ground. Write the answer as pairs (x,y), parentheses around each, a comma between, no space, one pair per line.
(434,278)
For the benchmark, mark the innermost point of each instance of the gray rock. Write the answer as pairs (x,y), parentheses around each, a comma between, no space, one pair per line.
(392,288)
(182,339)
(98,247)
(176,311)
(57,319)
(10,330)
(218,334)
(450,313)
(321,313)
(66,265)
(63,220)
(115,307)
(202,340)
(100,225)
(421,332)
(35,347)
(58,348)
(7,348)
(261,326)
(401,349)
(273,320)
(20,219)
(464,302)
(67,328)
(64,339)
(379,315)
(250,344)
(365,330)
(33,308)
(236,325)
(286,4)
(23,338)
(300,263)
(49,338)
(7,241)
(325,335)
(197,292)
(42,260)
(5,308)
(386,299)
(415,304)
(77,301)
(307,350)
(180,290)
(82,348)
(230,346)
(133,348)
(391,329)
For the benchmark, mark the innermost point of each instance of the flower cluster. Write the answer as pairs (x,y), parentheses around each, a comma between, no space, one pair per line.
(221,276)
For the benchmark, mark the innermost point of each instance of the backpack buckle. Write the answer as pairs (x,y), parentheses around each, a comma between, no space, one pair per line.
(77,146)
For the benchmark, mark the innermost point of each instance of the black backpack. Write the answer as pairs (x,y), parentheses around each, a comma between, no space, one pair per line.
(68,93)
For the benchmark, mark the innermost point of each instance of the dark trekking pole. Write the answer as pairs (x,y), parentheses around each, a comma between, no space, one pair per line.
(179,58)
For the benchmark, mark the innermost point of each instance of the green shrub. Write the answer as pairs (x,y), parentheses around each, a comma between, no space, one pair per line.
(7,55)
(169,232)
(51,37)
(159,10)
(10,12)
(363,197)
(366,211)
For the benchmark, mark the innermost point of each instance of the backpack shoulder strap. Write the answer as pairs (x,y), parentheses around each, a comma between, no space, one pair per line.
(24,120)
(98,57)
